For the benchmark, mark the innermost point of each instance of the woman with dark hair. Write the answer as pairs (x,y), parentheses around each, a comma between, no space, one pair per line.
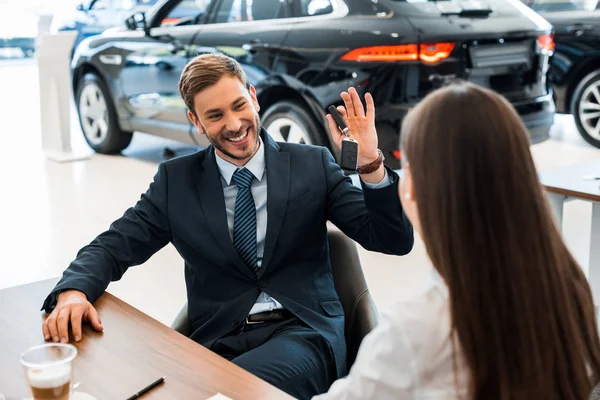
(508,313)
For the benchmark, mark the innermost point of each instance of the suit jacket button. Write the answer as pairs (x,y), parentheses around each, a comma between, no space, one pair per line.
(262,284)
(235,322)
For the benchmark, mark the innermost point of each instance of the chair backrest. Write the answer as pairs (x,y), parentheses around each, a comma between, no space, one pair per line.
(351,287)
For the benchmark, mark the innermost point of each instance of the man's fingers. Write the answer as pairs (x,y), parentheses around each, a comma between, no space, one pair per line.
(63,324)
(94,319)
(342,111)
(370,107)
(45,330)
(76,317)
(359,110)
(348,103)
(52,326)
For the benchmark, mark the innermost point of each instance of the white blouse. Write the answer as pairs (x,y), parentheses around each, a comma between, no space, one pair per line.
(409,354)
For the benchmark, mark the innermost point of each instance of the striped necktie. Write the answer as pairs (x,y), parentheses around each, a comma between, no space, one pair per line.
(244,220)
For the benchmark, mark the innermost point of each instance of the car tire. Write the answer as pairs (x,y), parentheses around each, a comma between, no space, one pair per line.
(98,117)
(289,121)
(585,107)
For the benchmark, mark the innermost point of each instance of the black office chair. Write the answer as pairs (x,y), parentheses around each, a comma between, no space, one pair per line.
(350,284)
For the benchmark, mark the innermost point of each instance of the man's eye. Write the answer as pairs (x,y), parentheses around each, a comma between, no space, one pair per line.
(214,116)
(239,106)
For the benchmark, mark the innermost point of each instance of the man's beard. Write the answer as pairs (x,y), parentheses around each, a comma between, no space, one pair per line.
(223,136)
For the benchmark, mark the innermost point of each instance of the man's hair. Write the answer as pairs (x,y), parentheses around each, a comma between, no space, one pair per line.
(205,71)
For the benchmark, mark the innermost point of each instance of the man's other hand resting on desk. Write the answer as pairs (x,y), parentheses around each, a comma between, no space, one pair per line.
(72,308)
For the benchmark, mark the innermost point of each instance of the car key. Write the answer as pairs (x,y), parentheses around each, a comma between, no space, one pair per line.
(349,150)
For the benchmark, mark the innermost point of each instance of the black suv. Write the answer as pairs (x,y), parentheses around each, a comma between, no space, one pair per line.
(301,54)
(575,67)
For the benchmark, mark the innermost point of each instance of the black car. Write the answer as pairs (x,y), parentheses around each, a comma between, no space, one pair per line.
(575,67)
(301,54)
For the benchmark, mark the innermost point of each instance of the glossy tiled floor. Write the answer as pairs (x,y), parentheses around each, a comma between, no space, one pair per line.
(49,210)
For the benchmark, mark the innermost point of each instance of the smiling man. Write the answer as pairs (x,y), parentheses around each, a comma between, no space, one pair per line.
(248,216)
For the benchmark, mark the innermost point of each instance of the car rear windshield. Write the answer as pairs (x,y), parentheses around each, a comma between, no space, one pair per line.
(562,5)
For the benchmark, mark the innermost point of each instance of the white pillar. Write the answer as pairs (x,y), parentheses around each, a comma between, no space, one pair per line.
(54,58)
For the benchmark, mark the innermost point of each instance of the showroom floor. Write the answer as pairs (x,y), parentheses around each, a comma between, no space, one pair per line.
(50,210)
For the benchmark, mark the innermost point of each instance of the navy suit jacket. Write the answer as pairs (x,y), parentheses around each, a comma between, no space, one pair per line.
(184,205)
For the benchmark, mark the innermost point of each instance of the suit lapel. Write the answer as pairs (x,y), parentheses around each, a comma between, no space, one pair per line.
(212,200)
(278,187)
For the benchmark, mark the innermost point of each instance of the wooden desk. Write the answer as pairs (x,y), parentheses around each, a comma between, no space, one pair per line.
(133,351)
(568,183)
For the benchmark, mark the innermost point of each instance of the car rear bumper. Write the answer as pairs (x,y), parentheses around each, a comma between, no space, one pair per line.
(538,116)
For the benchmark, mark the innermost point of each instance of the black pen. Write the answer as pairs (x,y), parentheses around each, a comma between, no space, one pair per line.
(148,388)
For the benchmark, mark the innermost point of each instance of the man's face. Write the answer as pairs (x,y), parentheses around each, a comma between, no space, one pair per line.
(228,115)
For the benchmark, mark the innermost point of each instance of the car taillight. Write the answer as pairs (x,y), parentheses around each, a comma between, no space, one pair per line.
(546,43)
(170,21)
(435,52)
(404,52)
(429,53)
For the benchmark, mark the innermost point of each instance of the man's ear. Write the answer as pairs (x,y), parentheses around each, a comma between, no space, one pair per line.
(196,123)
(252,92)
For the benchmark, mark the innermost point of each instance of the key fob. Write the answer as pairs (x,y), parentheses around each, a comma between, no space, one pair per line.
(349,150)
(349,154)
(338,119)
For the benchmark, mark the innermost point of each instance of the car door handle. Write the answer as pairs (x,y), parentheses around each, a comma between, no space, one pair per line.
(580,29)
(254,46)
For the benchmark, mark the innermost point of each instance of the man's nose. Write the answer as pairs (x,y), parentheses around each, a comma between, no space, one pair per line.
(233,124)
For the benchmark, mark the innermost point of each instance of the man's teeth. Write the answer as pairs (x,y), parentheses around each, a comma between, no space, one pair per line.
(239,138)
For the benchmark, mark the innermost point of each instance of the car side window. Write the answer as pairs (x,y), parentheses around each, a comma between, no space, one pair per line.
(100,5)
(562,5)
(311,8)
(250,10)
(187,12)
(112,5)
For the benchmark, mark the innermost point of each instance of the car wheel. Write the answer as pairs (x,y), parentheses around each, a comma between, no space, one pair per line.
(585,107)
(288,121)
(98,117)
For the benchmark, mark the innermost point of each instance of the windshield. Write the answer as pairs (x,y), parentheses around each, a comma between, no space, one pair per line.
(562,5)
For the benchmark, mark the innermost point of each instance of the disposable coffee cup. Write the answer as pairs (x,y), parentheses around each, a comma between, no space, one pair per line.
(49,370)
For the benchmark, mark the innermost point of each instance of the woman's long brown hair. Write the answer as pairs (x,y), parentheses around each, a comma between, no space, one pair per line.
(520,305)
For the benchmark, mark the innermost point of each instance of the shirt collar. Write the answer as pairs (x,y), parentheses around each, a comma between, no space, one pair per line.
(256,165)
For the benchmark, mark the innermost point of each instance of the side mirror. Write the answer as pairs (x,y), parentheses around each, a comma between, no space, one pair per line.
(137,21)
(319,7)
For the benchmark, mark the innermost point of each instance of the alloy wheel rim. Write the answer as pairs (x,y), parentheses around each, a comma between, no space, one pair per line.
(93,113)
(285,129)
(589,110)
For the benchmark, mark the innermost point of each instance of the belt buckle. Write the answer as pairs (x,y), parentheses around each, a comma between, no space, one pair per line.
(248,322)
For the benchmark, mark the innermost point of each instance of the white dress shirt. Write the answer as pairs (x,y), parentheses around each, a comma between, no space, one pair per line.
(257,165)
(409,354)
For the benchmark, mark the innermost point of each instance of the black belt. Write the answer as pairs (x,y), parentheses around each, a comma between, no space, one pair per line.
(269,316)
